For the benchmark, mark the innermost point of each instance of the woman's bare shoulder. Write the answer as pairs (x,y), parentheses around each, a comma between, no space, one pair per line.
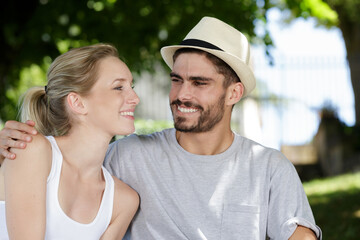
(126,199)
(36,156)
(39,145)
(124,191)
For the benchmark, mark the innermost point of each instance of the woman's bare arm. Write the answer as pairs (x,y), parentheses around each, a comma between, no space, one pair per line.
(25,190)
(303,233)
(126,203)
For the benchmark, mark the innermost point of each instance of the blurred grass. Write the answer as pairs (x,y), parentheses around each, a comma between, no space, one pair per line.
(147,126)
(335,203)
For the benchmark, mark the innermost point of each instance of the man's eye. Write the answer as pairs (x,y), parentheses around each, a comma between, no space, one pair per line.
(175,80)
(199,83)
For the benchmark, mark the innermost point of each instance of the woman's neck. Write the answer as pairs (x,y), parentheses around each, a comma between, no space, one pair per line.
(84,151)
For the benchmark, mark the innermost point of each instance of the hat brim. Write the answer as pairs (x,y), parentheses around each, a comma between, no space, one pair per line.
(245,74)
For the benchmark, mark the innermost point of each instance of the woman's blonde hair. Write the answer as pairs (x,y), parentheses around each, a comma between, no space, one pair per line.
(74,71)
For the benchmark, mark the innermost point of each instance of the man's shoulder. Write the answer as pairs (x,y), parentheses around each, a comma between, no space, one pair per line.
(259,151)
(251,145)
(135,145)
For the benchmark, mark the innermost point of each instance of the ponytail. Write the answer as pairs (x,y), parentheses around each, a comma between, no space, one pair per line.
(34,107)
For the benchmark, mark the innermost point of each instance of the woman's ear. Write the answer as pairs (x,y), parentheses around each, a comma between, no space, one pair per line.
(76,103)
(235,93)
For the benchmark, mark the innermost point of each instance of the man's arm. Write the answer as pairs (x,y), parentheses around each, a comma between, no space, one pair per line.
(303,233)
(289,207)
(15,135)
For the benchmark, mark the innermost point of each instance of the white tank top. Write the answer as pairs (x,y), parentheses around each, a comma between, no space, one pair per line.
(58,224)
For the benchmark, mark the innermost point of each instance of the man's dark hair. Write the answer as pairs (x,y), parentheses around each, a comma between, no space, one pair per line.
(221,67)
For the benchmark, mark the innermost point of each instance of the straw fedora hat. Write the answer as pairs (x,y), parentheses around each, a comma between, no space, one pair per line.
(220,39)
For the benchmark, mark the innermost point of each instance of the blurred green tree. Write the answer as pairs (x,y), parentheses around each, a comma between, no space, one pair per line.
(343,14)
(36,31)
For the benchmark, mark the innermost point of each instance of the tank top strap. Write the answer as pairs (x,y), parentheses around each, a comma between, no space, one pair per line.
(57,160)
(106,206)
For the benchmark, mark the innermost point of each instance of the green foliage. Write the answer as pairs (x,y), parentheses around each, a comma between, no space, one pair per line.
(33,75)
(147,126)
(321,11)
(34,29)
(336,205)
(311,8)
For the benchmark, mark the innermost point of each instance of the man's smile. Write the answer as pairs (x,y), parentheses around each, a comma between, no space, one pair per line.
(187,109)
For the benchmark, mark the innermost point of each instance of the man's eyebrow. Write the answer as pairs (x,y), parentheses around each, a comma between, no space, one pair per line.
(172,74)
(193,78)
(199,78)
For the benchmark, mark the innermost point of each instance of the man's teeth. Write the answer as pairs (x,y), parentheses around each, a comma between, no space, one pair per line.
(187,110)
(127,113)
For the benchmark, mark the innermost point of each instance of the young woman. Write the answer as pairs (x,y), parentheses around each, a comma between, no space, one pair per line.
(57,188)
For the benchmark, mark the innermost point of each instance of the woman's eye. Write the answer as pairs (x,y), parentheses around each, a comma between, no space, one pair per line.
(118,88)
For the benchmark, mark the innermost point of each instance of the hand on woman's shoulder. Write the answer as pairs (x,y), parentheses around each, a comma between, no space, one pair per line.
(38,143)
(37,156)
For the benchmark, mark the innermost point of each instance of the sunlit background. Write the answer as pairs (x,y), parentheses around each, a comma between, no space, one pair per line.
(310,72)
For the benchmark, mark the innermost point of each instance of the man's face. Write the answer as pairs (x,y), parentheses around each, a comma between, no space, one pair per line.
(197,96)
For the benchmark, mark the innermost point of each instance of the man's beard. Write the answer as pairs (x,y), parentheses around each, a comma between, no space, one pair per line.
(207,120)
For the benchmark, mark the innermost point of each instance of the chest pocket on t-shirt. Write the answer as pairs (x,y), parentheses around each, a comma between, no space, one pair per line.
(240,222)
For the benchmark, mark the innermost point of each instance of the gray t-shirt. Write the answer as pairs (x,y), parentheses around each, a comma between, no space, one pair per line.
(247,192)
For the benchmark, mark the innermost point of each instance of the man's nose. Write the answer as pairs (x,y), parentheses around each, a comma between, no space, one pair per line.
(185,92)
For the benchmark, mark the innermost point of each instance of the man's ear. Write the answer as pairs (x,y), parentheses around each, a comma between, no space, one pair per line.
(76,103)
(234,93)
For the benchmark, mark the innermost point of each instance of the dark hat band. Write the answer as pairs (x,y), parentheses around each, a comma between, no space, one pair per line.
(199,43)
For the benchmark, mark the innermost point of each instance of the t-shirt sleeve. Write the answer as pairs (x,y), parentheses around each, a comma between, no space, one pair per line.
(112,160)
(288,203)
(121,156)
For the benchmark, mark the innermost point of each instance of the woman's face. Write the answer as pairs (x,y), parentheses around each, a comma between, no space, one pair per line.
(112,100)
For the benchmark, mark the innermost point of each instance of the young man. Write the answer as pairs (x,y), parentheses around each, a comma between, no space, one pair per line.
(201,180)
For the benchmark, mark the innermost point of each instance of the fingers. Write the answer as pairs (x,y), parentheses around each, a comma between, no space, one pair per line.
(6,154)
(30,123)
(11,143)
(6,145)
(15,135)
(15,126)
(8,138)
